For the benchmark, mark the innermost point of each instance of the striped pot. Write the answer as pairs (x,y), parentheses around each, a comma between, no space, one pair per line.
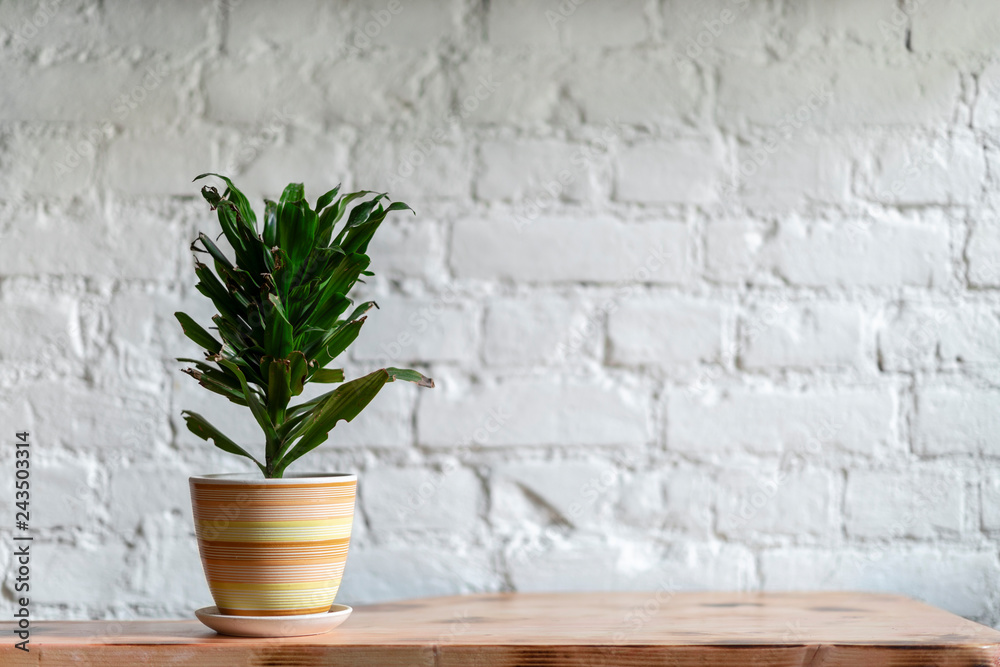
(273,547)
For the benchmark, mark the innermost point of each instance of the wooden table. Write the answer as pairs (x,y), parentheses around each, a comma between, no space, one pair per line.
(656,628)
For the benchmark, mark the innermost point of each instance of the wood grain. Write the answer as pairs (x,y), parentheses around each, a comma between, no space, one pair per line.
(629,629)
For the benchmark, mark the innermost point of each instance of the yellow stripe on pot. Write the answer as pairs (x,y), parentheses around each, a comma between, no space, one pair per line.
(289,586)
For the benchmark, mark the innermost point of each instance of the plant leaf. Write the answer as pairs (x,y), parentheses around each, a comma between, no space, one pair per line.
(202,428)
(297,372)
(359,236)
(327,197)
(239,199)
(410,376)
(270,223)
(328,375)
(343,404)
(277,332)
(195,332)
(256,406)
(279,391)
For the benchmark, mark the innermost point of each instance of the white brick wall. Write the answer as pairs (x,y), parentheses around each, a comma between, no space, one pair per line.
(710,289)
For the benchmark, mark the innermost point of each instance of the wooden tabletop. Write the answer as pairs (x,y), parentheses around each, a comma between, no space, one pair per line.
(655,628)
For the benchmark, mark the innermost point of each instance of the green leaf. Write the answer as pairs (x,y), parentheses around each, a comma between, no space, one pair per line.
(256,406)
(227,219)
(297,372)
(359,214)
(196,333)
(359,236)
(239,199)
(293,192)
(343,404)
(277,331)
(326,198)
(296,231)
(410,376)
(347,199)
(327,311)
(270,223)
(329,218)
(202,428)
(217,382)
(345,275)
(338,341)
(328,375)
(279,391)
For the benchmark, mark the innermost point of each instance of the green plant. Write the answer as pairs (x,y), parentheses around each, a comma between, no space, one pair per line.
(280,316)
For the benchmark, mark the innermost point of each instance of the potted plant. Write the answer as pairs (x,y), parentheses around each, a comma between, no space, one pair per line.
(275,544)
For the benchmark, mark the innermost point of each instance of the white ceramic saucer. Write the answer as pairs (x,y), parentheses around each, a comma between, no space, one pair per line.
(273,626)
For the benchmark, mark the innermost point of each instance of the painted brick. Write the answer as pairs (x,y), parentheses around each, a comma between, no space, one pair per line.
(674,499)
(39,94)
(878,23)
(591,415)
(665,332)
(159,166)
(402,330)
(539,171)
(577,493)
(983,252)
(990,502)
(731,249)
(520,249)
(414,170)
(686,171)
(776,502)
(790,172)
(630,566)
(523,332)
(596,24)
(793,94)
(95,419)
(953,578)
(317,161)
(65,562)
(413,24)
(306,29)
(62,495)
(605,86)
(986,112)
(958,26)
(510,88)
(860,421)
(950,421)
(391,572)
(750,93)
(922,171)
(396,499)
(521,23)
(39,326)
(177,28)
(892,505)
(138,492)
(921,338)
(50,165)
(848,253)
(813,335)
(407,247)
(236,92)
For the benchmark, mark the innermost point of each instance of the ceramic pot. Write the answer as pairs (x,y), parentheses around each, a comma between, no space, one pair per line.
(273,547)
